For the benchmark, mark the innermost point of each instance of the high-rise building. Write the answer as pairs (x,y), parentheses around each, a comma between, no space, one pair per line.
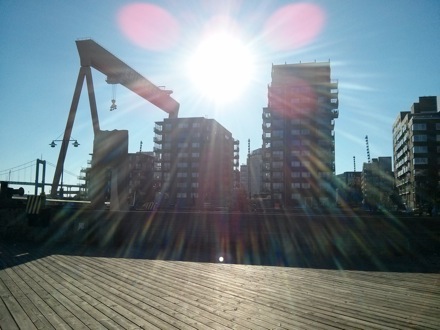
(298,135)
(195,162)
(416,151)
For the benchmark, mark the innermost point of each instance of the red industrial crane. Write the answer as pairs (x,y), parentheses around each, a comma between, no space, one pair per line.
(92,55)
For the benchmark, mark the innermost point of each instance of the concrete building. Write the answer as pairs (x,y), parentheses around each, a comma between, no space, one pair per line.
(141,189)
(378,183)
(244,177)
(195,162)
(255,164)
(298,135)
(349,189)
(416,152)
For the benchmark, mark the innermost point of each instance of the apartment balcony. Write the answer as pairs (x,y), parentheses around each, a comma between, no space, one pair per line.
(266,127)
(335,113)
(157,139)
(333,84)
(158,129)
(157,149)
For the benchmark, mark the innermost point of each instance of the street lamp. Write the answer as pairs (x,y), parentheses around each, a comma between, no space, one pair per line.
(53,144)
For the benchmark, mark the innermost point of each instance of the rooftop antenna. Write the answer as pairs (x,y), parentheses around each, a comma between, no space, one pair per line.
(140,148)
(354,163)
(368,149)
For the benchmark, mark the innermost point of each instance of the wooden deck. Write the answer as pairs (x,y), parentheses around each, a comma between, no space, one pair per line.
(67,288)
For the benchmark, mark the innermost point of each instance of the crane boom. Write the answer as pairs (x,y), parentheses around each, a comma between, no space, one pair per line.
(94,56)
(117,72)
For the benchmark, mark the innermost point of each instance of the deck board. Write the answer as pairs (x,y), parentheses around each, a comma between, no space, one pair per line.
(45,288)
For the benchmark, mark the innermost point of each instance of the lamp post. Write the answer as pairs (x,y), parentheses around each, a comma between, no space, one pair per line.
(53,145)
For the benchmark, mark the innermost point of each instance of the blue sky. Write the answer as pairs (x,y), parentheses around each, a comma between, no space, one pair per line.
(385,54)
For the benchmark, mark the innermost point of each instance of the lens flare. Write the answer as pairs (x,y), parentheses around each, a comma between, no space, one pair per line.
(149,26)
(294,26)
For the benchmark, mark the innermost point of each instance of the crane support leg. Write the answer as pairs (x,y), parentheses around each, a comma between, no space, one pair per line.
(92,100)
(84,72)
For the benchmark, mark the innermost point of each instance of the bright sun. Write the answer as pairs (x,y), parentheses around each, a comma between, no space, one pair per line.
(221,67)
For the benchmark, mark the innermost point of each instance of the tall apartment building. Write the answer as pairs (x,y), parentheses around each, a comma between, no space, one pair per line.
(416,151)
(298,135)
(196,159)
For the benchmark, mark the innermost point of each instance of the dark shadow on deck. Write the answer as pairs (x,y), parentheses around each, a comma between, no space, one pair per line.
(313,240)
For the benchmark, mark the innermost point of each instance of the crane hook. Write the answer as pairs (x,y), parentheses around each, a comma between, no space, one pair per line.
(113,106)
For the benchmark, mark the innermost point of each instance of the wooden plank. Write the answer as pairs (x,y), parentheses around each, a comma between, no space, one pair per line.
(27,285)
(6,318)
(59,314)
(12,281)
(15,309)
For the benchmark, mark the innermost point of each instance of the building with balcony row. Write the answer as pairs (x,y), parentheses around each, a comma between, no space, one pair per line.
(298,135)
(416,152)
(195,162)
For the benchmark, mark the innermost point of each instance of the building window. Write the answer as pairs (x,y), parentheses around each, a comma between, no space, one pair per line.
(181,184)
(181,195)
(277,134)
(295,185)
(296,196)
(305,174)
(195,144)
(197,124)
(182,165)
(437,126)
(420,149)
(305,132)
(195,155)
(183,125)
(195,175)
(277,186)
(419,127)
(296,164)
(305,185)
(420,138)
(295,174)
(420,161)
(277,164)
(295,132)
(277,154)
(182,174)
(182,144)
(277,175)
(195,185)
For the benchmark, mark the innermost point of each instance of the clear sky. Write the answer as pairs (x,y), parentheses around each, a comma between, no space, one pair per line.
(385,54)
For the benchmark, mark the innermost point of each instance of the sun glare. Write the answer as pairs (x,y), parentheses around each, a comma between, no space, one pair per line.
(221,67)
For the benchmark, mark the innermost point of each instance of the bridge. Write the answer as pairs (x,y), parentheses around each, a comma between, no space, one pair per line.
(33,173)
